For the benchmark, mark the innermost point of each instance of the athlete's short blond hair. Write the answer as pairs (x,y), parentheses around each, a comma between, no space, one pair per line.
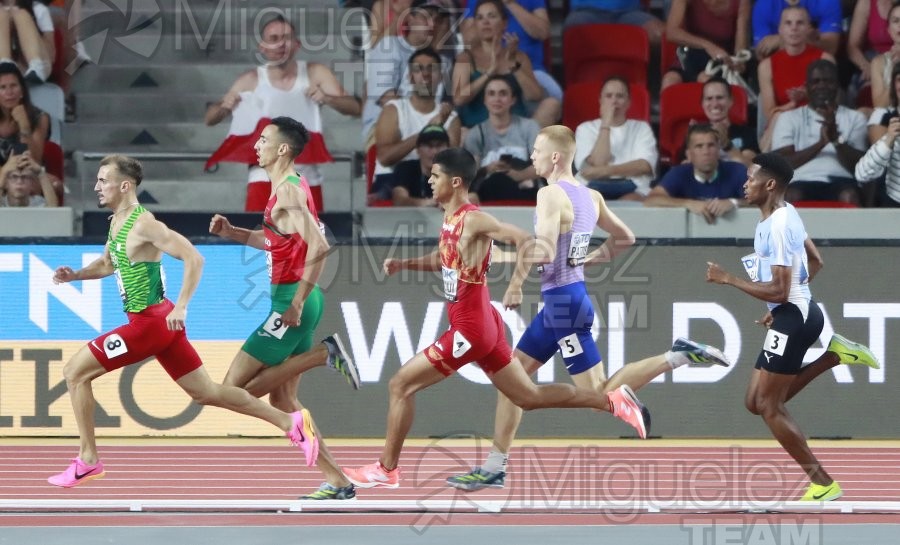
(560,139)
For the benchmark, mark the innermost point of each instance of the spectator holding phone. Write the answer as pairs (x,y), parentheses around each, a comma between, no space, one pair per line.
(18,177)
(503,146)
(23,127)
(884,154)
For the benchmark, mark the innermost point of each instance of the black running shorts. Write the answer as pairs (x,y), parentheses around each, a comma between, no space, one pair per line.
(789,338)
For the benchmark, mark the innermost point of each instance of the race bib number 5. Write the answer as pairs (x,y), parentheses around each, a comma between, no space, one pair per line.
(274,326)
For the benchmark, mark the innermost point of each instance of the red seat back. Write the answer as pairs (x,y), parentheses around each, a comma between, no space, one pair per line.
(679,105)
(823,204)
(596,52)
(581,102)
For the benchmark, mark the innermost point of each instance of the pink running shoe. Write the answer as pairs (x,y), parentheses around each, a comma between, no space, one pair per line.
(629,408)
(373,475)
(77,473)
(303,434)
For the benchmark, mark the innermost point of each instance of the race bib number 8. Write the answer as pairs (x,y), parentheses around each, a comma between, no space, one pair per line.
(775,342)
(274,326)
(114,345)
(451,281)
(578,248)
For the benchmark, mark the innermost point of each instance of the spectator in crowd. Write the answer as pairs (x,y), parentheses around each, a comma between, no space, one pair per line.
(498,52)
(18,177)
(502,147)
(822,141)
(387,65)
(615,155)
(782,83)
(738,142)
(282,86)
(704,185)
(825,16)
(883,159)
(527,19)
(23,127)
(882,65)
(402,119)
(881,117)
(706,29)
(868,35)
(624,12)
(23,43)
(411,187)
(385,19)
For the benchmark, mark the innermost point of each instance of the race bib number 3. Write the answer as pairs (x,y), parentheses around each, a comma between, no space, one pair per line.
(775,342)
(451,281)
(274,326)
(114,345)
(578,249)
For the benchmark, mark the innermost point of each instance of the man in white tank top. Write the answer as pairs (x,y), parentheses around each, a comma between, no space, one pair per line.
(282,86)
(402,119)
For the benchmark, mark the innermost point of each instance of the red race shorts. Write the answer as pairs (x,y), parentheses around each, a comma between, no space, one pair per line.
(458,346)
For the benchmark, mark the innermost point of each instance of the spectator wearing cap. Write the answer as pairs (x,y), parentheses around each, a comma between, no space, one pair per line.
(411,187)
(17,179)
(402,119)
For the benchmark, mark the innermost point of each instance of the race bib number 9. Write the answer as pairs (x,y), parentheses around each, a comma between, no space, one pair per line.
(578,248)
(751,265)
(274,326)
(451,281)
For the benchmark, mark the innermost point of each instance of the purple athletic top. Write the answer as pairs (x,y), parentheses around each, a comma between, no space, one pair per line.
(572,247)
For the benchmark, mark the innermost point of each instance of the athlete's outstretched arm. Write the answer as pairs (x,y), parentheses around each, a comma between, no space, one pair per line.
(620,236)
(99,268)
(481,223)
(774,291)
(428,262)
(220,226)
(150,230)
(813,257)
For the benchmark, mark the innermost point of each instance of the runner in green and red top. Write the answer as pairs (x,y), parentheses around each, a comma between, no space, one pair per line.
(281,348)
(156,326)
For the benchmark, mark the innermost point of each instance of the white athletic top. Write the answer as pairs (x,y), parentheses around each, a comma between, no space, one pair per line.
(780,241)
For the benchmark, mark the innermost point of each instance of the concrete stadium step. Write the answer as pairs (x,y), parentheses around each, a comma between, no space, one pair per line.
(224,48)
(341,138)
(192,78)
(143,105)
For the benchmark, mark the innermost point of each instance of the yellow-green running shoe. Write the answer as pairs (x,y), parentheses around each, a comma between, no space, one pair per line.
(329,492)
(852,353)
(818,492)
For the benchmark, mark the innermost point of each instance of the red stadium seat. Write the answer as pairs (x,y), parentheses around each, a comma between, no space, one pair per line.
(679,105)
(596,52)
(53,159)
(823,204)
(581,102)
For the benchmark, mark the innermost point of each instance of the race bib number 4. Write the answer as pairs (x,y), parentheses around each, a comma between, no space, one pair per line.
(451,281)
(578,249)
(274,326)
